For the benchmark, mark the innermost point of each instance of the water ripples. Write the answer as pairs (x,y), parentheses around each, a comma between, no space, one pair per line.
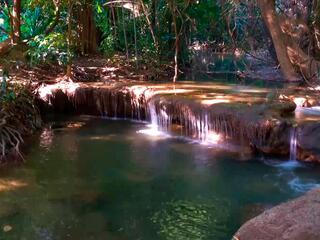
(186,220)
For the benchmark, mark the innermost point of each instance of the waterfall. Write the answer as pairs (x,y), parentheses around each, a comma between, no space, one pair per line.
(292,163)
(293,144)
(196,125)
(159,121)
(153,115)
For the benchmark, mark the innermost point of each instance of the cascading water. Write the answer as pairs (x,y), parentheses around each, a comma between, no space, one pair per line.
(159,122)
(293,145)
(195,125)
(154,127)
(292,163)
(165,114)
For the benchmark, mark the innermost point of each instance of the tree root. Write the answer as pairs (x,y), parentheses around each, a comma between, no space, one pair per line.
(18,118)
(11,139)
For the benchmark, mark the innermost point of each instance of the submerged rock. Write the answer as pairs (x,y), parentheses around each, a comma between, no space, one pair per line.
(298,219)
(7,228)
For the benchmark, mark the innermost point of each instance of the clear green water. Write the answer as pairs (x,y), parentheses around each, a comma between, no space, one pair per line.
(106,181)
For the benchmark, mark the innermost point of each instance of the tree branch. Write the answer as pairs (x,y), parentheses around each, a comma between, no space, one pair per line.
(5,31)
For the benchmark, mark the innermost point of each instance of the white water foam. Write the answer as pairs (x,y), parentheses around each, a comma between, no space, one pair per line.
(153,131)
(300,185)
(293,145)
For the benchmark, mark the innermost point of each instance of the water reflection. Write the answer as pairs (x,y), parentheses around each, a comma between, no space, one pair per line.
(46,138)
(123,185)
(11,184)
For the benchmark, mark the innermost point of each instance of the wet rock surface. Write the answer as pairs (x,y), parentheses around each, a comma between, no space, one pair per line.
(298,219)
(309,142)
(263,124)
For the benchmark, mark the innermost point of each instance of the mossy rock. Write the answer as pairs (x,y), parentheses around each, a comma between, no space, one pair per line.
(283,108)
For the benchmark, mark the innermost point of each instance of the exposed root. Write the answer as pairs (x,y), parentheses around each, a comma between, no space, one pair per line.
(18,118)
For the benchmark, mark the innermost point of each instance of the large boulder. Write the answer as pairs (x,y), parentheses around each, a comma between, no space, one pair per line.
(309,142)
(298,219)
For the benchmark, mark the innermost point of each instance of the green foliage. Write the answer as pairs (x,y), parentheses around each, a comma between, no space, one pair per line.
(205,16)
(50,48)
(7,92)
(35,21)
(196,20)
(4,23)
(147,49)
(108,41)
(201,21)
(107,45)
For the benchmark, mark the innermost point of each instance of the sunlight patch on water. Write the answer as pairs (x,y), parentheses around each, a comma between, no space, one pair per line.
(9,185)
(212,138)
(214,101)
(103,138)
(188,220)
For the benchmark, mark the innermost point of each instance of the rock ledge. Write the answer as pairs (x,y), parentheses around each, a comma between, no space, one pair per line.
(298,219)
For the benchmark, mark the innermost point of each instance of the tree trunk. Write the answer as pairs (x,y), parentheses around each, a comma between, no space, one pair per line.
(69,35)
(86,28)
(177,39)
(316,25)
(153,14)
(5,46)
(16,21)
(124,32)
(270,18)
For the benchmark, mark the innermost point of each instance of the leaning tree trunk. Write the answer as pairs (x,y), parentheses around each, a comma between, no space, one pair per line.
(270,18)
(287,34)
(316,25)
(16,21)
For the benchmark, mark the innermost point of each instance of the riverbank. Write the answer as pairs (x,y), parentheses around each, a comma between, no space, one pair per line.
(19,119)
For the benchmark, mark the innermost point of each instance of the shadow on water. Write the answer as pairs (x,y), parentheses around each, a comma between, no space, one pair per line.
(88,178)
